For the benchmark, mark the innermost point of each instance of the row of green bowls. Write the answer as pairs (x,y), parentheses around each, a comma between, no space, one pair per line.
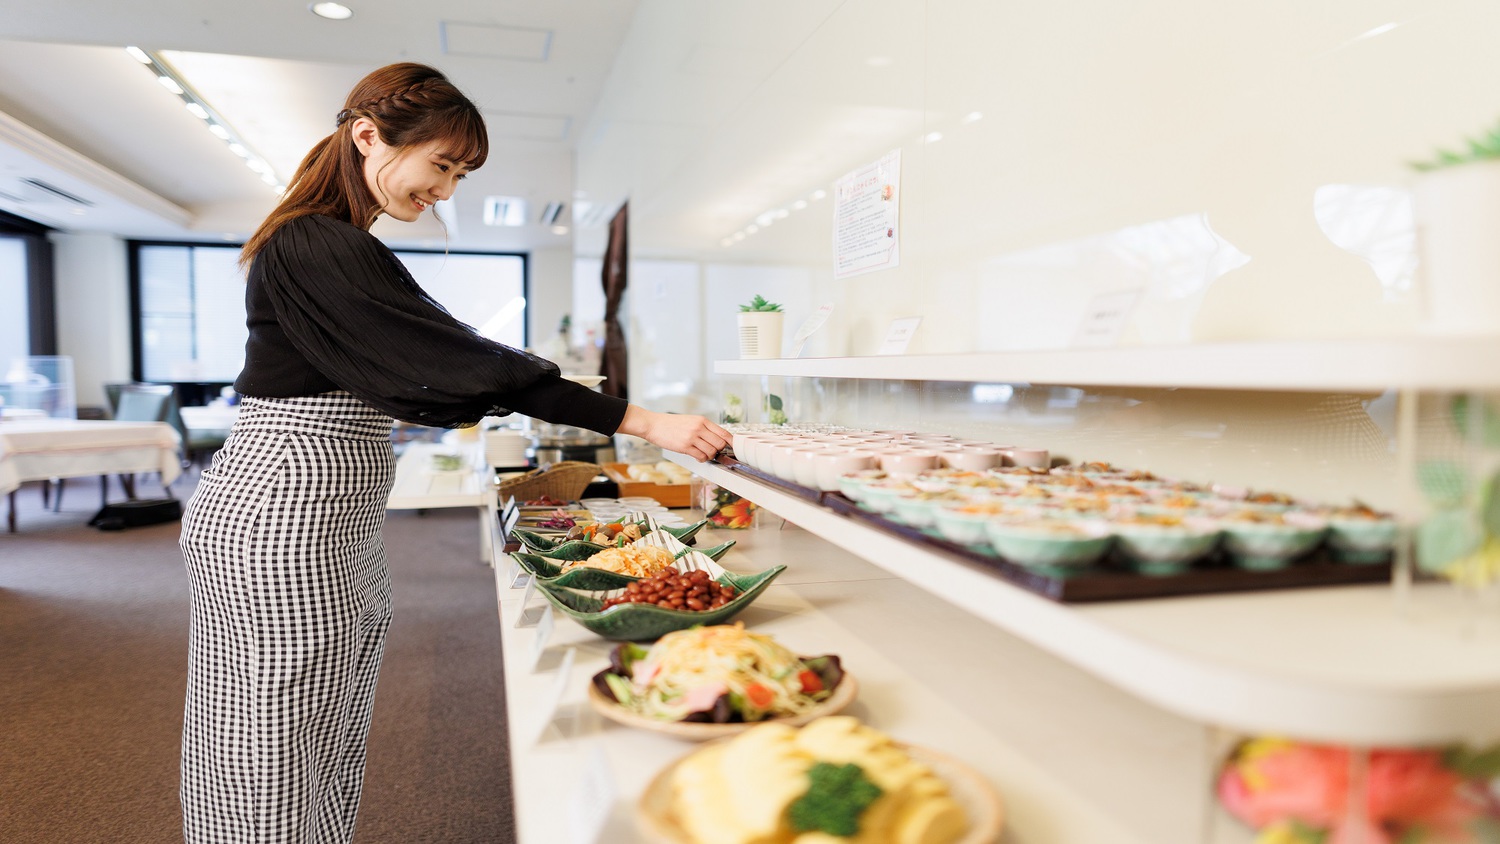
(1056,544)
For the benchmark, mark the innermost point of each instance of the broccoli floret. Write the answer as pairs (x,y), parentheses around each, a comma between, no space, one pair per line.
(837,795)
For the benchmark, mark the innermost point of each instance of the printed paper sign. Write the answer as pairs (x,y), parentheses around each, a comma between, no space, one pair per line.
(867,218)
(543,633)
(899,335)
(553,701)
(810,327)
(1105,317)
(593,798)
(521,617)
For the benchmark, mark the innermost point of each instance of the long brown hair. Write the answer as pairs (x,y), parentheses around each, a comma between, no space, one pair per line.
(409,104)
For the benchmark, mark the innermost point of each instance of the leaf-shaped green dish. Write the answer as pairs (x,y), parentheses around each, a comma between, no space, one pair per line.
(537,543)
(641,622)
(578,549)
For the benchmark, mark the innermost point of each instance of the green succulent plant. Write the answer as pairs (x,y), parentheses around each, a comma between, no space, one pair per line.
(759,305)
(1486,147)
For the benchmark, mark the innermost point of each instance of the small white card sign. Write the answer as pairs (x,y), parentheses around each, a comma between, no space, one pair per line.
(553,701)
(510,519)
(810,327)
(1105,317)
(544,627)
(525,617)
(593,798)
(899,335)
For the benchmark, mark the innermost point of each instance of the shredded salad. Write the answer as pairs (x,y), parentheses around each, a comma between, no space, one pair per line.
(719,673)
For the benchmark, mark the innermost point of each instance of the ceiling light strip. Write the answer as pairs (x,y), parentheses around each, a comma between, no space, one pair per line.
(169,79)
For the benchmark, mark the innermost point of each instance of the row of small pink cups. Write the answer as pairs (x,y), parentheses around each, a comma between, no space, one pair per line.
(818,459)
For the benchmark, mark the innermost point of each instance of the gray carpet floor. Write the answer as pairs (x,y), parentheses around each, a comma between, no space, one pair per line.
(93,655)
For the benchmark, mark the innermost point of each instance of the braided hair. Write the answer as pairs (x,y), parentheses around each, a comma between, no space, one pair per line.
(410,104)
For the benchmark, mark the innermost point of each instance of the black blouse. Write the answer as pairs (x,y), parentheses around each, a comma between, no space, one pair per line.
(329,307)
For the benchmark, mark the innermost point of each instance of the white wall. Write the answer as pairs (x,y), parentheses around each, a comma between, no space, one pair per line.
(551,292)
(1243,166)
(93,311)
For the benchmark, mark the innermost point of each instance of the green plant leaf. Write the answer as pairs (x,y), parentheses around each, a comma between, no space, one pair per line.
(773,401)
(1460,409)
(1442,482)
(1446,537)
(1473,764)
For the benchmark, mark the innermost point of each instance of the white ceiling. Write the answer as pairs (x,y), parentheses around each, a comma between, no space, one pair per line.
(86,118)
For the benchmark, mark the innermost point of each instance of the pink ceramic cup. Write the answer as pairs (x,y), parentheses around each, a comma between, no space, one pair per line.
(971,459)
(829,465)
(802,465)
(1034,458)
(907,461)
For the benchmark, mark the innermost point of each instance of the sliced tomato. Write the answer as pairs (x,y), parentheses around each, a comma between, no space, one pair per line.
(759,696)
(810,681)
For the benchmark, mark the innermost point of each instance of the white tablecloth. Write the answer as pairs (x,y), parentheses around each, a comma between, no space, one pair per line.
(37,449)
(209,417)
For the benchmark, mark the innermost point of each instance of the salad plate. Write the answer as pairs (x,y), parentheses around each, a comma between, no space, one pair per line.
(604,701)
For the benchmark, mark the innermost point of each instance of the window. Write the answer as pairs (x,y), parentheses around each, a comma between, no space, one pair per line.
(28,324)
(15,301)
(190,304)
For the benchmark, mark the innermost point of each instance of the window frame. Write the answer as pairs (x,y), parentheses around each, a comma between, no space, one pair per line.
(133,259)
(41,281)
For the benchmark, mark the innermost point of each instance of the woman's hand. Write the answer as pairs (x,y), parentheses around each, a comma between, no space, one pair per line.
(690,435)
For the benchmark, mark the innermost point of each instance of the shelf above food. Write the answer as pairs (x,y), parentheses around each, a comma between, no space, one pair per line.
(1338,664)
(1458,363)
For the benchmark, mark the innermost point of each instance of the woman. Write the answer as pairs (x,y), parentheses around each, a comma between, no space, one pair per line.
(290,590)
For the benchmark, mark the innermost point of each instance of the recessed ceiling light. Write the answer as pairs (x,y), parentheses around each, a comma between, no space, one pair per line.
(138,54)
(170,84)
(972,116)
(819,194)
(932,137)
(218,131)
(332,11)
(197,111)
(559,229)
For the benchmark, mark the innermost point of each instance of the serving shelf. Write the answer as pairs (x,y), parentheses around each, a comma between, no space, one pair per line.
(1338,664)
(1073,760)
(1462,363)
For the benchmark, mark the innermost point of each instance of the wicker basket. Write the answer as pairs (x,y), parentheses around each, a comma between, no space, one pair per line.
(564,481)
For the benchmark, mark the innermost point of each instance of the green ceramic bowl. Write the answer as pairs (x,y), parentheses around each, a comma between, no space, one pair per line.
(1163,549)
(643,622)
(537,542)
(1355,540)
(1265,546)
(1054,546)
(547,568)
(578,549)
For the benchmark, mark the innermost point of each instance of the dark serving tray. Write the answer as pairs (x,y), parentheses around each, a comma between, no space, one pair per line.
(1106,581)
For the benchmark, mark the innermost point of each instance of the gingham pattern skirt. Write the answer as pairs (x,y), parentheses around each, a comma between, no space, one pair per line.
(290,604)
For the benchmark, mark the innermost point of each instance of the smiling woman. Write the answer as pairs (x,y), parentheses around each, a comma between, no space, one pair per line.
(290,587)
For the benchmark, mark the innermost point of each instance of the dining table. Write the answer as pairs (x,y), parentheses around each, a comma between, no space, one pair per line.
(44,449)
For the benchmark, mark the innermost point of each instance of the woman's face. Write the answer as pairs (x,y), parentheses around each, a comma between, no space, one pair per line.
(406,182)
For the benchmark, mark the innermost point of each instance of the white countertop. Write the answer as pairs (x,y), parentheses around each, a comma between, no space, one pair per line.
(927,676)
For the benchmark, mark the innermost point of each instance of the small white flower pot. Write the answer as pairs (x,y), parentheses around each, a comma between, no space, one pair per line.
(1458,216)
(760,334)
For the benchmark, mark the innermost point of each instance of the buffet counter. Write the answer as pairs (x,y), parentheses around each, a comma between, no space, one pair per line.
(1073,758)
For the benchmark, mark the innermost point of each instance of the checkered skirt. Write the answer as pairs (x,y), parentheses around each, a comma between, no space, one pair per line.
(290,605)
